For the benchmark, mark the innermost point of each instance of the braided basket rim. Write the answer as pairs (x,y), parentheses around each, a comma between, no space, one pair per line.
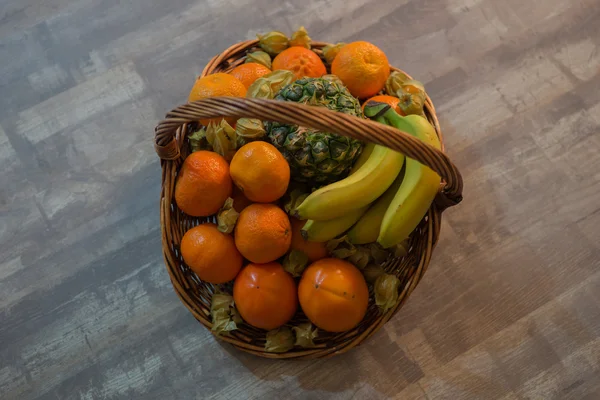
(195,294)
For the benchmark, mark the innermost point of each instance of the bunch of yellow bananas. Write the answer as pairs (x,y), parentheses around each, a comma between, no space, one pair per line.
(379,200)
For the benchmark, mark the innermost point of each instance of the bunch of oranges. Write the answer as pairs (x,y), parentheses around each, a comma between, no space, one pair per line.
(332,293)
(361,66)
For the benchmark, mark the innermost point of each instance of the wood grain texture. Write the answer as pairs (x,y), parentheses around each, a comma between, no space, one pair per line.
(510,307)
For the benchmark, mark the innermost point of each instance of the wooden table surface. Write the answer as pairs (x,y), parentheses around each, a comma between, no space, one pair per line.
(510,307)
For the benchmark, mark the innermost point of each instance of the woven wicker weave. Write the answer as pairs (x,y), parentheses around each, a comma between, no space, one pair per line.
(172,148)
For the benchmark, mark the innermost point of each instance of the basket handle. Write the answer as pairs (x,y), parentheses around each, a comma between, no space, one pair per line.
(320,118)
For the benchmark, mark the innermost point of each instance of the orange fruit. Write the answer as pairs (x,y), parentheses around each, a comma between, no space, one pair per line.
(384,98)
(333,294)
(248,73)
(362,67)
(263,233)
(301,61)
(265,295)
(211,254)
(215,85)
(239,200)
(203,184)
(314,250)
(260,171)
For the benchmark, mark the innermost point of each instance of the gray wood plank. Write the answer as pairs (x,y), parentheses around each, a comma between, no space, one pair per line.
(509,308)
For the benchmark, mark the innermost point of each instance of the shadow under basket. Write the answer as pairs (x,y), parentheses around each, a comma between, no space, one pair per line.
(172,148)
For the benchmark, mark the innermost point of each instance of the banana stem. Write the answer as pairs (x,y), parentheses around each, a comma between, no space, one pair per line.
(375,109)
(381,120)
(399,122)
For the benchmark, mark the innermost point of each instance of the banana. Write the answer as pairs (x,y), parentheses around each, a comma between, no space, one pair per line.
(418,189)
(323,231)
(361,188)
(364,156)
(366,230)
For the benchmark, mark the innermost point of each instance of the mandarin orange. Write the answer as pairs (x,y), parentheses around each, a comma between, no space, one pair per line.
(301,61)
(263,233)
(333,294)
(260,171)
(265,295)
(214,85)
(362,67)
(211,254)
(203,184)
(249,72)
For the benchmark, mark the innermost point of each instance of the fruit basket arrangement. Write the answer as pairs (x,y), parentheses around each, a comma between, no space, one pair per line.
(302,191)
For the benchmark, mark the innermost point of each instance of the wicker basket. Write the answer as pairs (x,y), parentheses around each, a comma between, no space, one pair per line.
(172,148)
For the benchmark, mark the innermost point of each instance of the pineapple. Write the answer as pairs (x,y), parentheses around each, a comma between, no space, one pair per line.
(316,157)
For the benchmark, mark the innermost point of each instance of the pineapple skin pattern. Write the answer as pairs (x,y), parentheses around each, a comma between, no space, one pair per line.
(315,156)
